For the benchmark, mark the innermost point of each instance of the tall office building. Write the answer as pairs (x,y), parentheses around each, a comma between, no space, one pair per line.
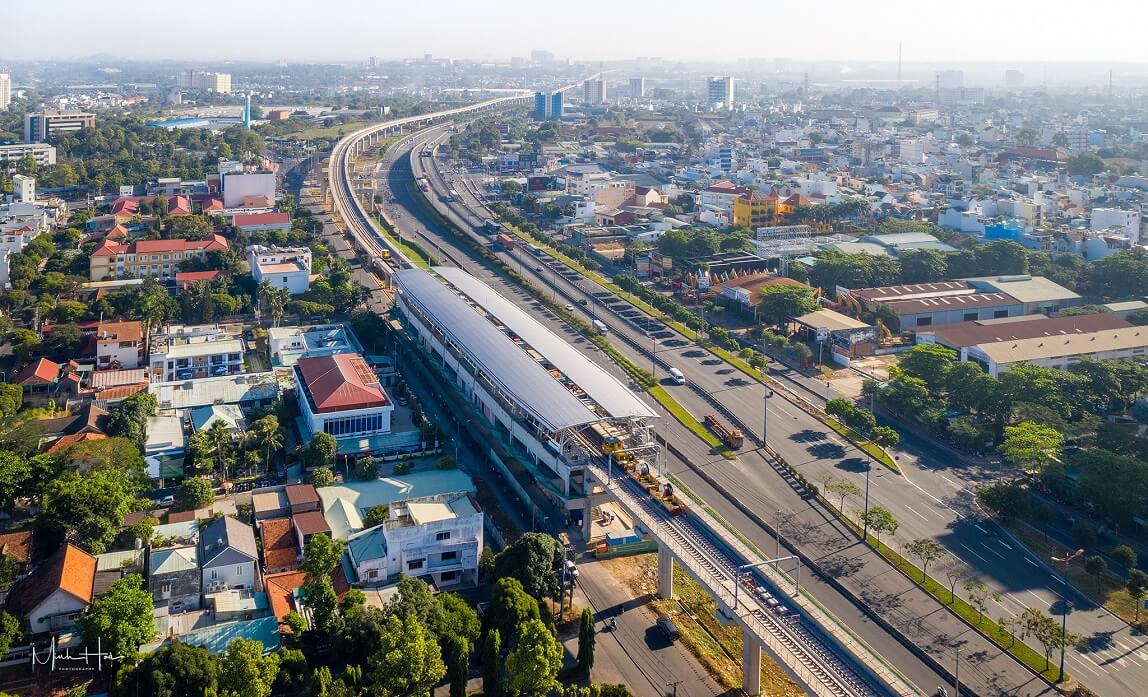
(1013,78)
(594,92)
(45,125)
(637,87)
(5,91)
(719,91)
(547,106)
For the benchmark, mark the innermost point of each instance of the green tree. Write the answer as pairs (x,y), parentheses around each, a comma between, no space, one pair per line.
(415,599)
(456,618)
(844,489)
(321,477)
(10,631)
(15,475)
(295,622)
(376,515)
(923,265)
(533,559)
(193,493)
(245,672)
(926,550)
(320,557)
(782,302)
(929,362)
(586,636)
(1125,556)
(89,508)
(366,469)
(492,682)
(906,394)
(880,521)
(268,436)
(1031,446)
(456,656)
(885,436)
(1005,500)
(408,660)
(178,670)
(510,606)
(1095,566)
(1137,588)
(839,408)
(120,619)
(1085,164)
(1048,632)
(979,596)
(532,667)
(320,452)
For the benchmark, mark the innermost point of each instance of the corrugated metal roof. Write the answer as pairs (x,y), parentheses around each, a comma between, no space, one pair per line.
(170,561)
(617,399)
(523,379)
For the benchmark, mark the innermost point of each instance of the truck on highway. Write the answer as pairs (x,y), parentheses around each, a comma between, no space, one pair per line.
(599,327)
(490,226)
(423,184)
(504,242)
(732,437)
(534,249)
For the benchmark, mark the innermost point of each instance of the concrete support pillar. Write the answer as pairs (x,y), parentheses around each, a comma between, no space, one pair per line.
(665,573)
(750,663)
(588,516)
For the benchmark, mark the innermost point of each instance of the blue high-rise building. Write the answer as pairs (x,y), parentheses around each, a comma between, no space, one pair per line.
(247,111)
(540,106)
(556,105)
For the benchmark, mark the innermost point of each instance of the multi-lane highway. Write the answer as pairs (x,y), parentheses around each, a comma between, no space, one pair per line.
(933,499)
(943,512)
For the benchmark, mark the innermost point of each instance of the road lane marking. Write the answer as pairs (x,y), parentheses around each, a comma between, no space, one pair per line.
(1004,544)
(992,550)
(915,513)
(1030,561)
(1038,598)
(978,527)
(950,481)
(970,551)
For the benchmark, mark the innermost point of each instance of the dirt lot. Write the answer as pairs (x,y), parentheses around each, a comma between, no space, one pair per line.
(718,647)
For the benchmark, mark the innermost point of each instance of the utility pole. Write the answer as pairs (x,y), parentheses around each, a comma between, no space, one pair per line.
(674,686)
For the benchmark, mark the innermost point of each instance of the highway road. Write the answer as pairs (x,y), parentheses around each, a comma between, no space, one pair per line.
(417,225)
(934,498)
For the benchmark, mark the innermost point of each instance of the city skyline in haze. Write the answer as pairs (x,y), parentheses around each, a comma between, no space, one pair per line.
(349,30)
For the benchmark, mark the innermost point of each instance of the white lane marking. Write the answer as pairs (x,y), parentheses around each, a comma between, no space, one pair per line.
(992,550)
(1032,562)
(915,513)
(950,481)
(1083,666)
(1058,580)
(970,551)
(1004,544)
(980,528)
(1038,598)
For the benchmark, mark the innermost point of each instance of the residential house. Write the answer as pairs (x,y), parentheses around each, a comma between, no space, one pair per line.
(435,537)
(262,222)
(43,375)
(119,345)
(281,267)
(281,550)
(55,593)
(180,352)
(229,556)
(342,396)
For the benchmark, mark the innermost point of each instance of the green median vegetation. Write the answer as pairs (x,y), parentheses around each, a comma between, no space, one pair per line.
(412,251)
(687,419)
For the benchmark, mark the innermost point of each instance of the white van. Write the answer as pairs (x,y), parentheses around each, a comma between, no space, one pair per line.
(677,376)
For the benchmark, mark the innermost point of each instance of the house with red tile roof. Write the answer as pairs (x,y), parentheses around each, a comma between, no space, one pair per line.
(258,222)
(341,395)
(55,593)
(143,258)
(281,549)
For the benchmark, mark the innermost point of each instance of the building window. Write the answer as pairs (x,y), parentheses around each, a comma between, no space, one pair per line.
(440,536)
(924,321)
(997,314)
(970,316)
(165,589)
(449,556)
(415,564)
(214,575)
(238,569)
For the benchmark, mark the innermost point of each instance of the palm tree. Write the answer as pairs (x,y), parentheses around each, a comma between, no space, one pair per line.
(218,436)
(267,435)
(276,299)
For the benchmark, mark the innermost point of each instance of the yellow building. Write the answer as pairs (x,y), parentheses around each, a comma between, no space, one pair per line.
(755,211)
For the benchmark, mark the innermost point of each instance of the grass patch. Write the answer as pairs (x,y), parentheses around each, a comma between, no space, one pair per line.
(985,625)
(334,131)
(413,252)
(687,419)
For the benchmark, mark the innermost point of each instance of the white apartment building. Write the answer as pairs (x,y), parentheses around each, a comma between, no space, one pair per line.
(282,267)
(118,345)
(587,183)
(205,80)
(719,91)
(42,153)
(247,189)
(594,92)
(1127,221)
(437,536)
(178,352)
(5,91)
(24,188)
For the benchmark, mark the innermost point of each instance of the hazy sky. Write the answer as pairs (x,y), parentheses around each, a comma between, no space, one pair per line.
(301,30)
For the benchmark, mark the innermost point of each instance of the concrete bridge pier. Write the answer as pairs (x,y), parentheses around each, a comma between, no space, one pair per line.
(665,573)
(750,663)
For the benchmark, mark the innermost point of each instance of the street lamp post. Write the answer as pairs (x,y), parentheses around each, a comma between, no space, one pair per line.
(765,417)
(1066,560)
(865,518)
